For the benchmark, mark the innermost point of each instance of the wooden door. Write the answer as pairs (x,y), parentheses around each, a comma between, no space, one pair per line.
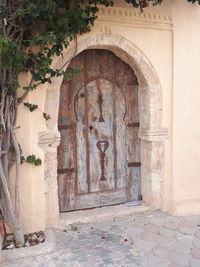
(99,153)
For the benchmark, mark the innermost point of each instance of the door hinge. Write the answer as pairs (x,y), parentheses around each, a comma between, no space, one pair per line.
(66,170)
(133,124)
(65,126)
(134,164)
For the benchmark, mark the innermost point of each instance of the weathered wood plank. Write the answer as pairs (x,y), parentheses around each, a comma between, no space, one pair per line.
(102,131)
(100,106)
(66,153)
(133,142)
(120,111)
(82,181)
(99,199)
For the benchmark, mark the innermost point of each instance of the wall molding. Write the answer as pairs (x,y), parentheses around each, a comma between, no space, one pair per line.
(153,134)
(133,17)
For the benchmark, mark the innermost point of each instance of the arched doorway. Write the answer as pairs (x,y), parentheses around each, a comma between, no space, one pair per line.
(99,154)
(151,133)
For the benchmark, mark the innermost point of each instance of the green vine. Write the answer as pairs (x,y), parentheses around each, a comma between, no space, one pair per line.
(32,160)
(33,107)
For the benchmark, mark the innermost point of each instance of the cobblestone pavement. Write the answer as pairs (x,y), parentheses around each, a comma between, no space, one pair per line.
(140,240)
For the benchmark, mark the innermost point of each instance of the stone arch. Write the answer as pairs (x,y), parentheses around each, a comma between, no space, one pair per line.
(150,107)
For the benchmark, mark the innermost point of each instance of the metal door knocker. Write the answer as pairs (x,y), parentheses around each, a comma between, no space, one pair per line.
(102,146)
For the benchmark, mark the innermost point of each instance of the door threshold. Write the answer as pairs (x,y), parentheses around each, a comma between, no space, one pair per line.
(101,213)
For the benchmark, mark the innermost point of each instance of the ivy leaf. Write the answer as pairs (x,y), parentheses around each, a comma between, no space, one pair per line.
(33,160)
(31,107)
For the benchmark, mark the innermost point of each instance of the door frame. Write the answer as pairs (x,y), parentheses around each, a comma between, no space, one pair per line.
(151,133)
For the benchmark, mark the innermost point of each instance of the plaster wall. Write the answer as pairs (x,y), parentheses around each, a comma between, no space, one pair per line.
(186,106)
(170,42)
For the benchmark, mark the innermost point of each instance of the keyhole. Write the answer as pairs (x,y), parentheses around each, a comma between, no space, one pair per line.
(91,128)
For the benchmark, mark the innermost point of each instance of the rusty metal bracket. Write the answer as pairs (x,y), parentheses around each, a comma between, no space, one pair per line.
(102,146)
(65,126)
(100,103)
(66,170)
(134,164)
(133,124)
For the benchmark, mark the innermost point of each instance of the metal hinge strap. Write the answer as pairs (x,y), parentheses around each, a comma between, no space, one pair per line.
(133,124)
(65,126)
(66,170)
(134,164)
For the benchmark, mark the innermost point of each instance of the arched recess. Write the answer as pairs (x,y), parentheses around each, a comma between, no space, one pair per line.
(151,133)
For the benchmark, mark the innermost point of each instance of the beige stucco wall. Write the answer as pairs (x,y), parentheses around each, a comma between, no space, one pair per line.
(186,107)
(172,49)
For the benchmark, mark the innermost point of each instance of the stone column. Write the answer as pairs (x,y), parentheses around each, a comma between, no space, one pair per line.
(152,159)
(49,142)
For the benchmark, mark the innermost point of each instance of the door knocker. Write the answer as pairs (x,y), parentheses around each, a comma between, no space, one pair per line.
(102,146)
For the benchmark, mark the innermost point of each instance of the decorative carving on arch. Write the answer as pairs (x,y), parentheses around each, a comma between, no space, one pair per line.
(150,106)
(131,16)
(134,14)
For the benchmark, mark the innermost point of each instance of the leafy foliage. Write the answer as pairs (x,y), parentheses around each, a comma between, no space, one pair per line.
(74,228)
(46,29)
(31,107)
(32,160)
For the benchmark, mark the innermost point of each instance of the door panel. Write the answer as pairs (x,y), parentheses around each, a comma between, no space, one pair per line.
(99,153)
(100,97)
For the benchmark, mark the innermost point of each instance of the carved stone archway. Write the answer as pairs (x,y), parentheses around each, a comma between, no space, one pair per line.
(150,107)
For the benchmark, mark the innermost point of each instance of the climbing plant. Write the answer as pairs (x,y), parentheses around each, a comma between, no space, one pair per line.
(32,33)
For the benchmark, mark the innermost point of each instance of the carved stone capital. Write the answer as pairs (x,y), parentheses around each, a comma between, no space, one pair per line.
(153,134)
(49,141)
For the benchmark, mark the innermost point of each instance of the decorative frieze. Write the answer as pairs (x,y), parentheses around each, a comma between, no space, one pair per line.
(131,16)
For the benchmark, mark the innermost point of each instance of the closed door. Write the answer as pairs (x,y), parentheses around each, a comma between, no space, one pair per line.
(99,153)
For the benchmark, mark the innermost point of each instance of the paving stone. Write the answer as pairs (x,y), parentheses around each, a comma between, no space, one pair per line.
(171,225)
(161,252)
(168,233)
(192,218)
(187,230)
(165,241)
(183,248)
(196,242)
(155,261)
(186,239)
(189,223)
(141,240)
(157,221)
(149,236)
(173,219)
(145,245)
(180,258)
(134,231)
(152,228)
(196,252)
(195,263)
(139,222)
(173,265)
(197,234)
